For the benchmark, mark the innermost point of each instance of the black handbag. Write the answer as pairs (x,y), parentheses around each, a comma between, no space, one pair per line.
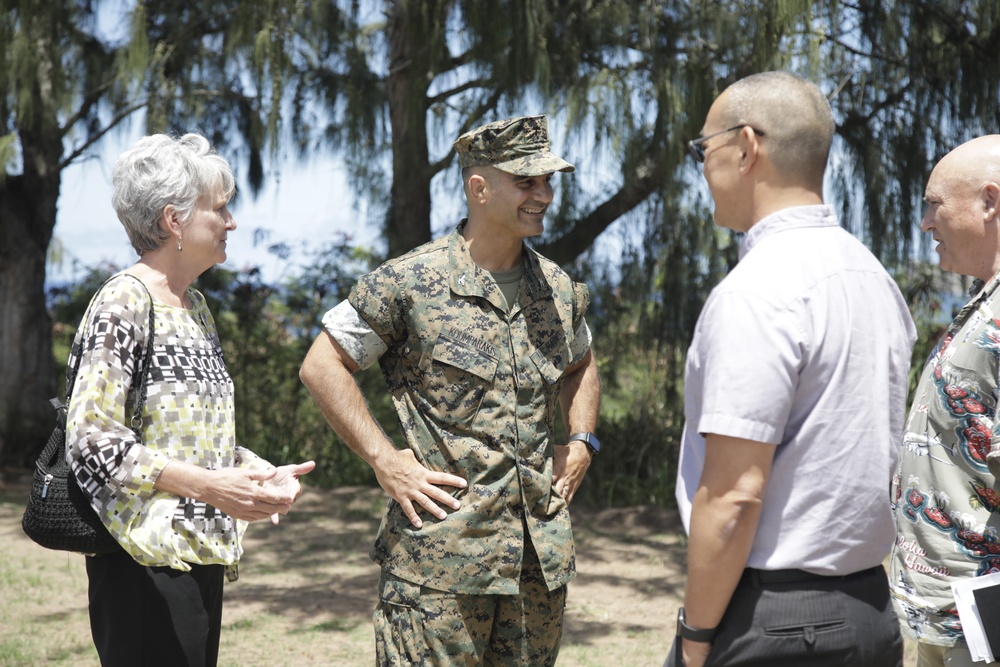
(58,514)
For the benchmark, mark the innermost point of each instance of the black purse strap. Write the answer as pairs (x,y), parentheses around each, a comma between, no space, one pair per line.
(138,379)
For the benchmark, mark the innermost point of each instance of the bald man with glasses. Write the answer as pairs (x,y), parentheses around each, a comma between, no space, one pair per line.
(795,392)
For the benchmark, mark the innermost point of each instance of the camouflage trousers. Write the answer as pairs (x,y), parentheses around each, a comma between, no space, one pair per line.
(417,625)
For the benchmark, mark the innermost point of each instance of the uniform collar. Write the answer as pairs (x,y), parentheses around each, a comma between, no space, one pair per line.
(468,280)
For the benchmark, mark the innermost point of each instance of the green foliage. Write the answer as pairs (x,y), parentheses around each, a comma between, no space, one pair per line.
(934,298)
(643,312)
(8,153)
(640,430)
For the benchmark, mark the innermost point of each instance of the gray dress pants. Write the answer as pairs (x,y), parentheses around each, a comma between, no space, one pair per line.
(789,618)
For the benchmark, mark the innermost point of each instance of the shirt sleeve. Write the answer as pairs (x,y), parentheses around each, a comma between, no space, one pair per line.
(581,332)
(751,353)
(353,334)
(247,460)
(382,307)
(102,448)
(581,341)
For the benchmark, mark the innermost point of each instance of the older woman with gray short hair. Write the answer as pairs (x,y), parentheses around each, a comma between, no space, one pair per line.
(175,490)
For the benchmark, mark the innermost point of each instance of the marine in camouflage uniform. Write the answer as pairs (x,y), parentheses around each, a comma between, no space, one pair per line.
(475,373)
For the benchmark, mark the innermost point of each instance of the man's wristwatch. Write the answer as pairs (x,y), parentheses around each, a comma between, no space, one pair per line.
(696,635)
(589,439)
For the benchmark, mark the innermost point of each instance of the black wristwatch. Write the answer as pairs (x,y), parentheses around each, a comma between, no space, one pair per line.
(694,634)
(589,439)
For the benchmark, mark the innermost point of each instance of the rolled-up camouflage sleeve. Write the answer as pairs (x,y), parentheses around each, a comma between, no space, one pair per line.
(581,341)
(581,332)
(353,334)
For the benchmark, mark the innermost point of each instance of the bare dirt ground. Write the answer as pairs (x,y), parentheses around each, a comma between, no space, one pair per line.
(307,588)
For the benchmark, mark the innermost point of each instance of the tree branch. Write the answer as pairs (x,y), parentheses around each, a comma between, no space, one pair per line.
(444,95)
(128,111)
(641,182)
(89,101)
(94,138)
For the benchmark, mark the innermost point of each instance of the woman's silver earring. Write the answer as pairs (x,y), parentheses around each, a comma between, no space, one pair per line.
(179,245)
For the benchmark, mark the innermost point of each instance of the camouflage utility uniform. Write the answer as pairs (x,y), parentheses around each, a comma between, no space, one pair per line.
(475,387)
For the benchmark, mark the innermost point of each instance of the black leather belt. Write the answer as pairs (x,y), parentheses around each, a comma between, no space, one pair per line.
(754,577)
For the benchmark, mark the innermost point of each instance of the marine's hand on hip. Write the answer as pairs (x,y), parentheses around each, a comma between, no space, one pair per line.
(409,483)
(569,466)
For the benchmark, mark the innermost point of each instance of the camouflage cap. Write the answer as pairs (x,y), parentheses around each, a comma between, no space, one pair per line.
(518,146)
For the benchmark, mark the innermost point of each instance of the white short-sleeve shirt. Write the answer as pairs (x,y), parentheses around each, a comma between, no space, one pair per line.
(806,345)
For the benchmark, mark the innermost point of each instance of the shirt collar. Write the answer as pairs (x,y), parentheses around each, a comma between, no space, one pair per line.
(462,268)
(979,289)
(796,217)
(467,279)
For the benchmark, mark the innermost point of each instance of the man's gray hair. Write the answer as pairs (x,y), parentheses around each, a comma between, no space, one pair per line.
(794,115)
(159,170)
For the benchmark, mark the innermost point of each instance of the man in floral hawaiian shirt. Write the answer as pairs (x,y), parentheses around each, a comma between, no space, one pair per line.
(944,492)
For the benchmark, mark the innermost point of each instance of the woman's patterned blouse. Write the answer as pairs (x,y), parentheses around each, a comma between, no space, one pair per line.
(188,416)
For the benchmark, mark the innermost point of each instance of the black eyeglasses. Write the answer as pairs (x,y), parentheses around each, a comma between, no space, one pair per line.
(696,147)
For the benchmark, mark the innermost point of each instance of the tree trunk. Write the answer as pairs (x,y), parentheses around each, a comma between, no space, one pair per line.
(408,221)
(27,369)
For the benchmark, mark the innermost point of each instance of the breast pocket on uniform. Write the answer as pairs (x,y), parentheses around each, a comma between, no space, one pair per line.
(457,374)
(551,358)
